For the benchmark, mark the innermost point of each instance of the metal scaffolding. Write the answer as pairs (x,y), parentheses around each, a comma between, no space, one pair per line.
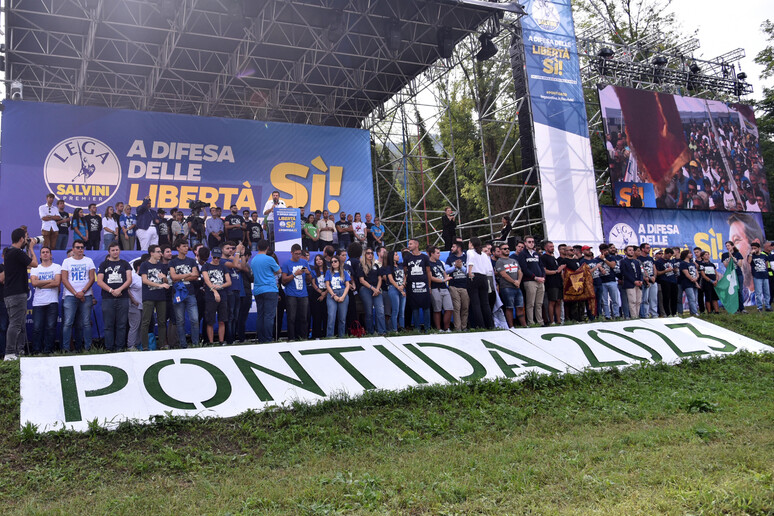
(384,65)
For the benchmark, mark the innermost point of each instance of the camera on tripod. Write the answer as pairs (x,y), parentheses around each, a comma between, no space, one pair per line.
(197,205)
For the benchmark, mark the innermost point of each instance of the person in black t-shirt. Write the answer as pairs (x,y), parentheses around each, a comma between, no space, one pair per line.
(63,225)
(418,279)
(18,257)
(449,231)
(254,232)
(709,278)
(553,283)
(235,225)
(344,229)
(154,296)
(114,276)
(163,227)
(94,227)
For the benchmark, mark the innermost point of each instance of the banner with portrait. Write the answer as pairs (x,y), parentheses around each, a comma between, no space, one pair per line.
(707,230)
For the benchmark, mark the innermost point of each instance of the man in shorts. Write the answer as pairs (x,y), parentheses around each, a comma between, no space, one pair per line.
(509,280)
(440,297)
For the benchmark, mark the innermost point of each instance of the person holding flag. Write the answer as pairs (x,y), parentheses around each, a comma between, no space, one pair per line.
(728,287)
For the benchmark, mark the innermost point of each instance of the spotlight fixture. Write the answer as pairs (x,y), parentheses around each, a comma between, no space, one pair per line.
(606,53)
(660,61)
(16,90)
(694,67)
(488,48)
(741,76)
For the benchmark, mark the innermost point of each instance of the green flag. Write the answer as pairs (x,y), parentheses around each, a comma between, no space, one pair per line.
(727,288)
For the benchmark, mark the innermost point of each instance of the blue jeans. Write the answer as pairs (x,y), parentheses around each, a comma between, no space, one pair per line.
(693,300)
(254,247)
(73,307)
(398,303)
(624,302)
(649,306)
(425,315)
(762,293)
(369,303)
(266,311)
(233,315)
(187,306)
(609,299)
(44,327)
(115,317)
(107,239)
(337,311)
(61,241)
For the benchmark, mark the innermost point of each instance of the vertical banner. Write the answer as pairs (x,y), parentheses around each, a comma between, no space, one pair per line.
(561,134)
(287,228)
(707,230)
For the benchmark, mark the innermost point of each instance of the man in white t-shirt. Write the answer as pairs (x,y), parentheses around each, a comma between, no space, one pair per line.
(78,275)
(268,213)
(46,278)
(326,229)
(49,215)
(135,309)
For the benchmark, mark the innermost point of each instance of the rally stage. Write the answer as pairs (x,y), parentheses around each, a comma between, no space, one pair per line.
(73,391)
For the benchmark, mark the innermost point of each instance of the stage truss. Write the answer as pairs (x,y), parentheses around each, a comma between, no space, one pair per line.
(650,63)
(346,63)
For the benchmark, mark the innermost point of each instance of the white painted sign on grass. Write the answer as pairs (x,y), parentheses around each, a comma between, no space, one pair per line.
(72,391)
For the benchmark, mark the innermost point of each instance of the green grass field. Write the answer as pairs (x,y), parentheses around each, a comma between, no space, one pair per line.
(696,438)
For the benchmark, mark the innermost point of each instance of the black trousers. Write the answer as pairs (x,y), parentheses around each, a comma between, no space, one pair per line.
(319,312)
(478,291)
(297,308)
(93,243)
(669,296)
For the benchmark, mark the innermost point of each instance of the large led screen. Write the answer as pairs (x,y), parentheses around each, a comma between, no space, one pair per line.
(668,151)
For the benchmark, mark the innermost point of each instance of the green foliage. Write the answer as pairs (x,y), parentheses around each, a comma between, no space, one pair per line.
(765,117)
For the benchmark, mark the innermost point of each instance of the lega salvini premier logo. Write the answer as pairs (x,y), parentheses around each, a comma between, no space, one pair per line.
(82,170)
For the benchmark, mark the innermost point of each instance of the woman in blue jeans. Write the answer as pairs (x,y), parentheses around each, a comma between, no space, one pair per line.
(396,277)
(337,283)
(689,280)
(368,277)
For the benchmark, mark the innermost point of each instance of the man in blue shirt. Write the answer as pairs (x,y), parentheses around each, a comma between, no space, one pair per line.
(631,272)
(295,274)
(265,272)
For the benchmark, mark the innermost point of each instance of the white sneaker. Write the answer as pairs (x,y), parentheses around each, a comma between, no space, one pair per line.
(10,357)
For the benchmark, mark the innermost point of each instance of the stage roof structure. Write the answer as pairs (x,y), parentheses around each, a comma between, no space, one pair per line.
(324,62)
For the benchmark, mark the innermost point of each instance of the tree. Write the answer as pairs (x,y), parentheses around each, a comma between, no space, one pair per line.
(765,117)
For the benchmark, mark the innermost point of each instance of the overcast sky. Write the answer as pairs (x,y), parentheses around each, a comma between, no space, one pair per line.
(727,25)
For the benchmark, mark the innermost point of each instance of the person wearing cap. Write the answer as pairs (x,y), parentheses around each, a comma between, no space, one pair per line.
(217,283)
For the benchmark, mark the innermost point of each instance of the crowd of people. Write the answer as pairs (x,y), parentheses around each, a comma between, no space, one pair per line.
(351,285)
(721,173)
(137,231)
